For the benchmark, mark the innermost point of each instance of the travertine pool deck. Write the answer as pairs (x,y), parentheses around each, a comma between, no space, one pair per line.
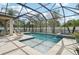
(10,46)
(64,47)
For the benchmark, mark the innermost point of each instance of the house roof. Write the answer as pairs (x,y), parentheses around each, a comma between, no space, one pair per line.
(5,17)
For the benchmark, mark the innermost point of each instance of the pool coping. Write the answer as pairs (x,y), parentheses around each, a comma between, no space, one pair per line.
(43,33)
(58,34)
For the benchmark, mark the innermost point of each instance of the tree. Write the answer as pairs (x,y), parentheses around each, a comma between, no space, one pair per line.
(12,12)
(50,22)
(19,23)
(53,22)
(73,23)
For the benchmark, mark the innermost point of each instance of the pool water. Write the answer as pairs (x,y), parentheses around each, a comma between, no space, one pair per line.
(42,42)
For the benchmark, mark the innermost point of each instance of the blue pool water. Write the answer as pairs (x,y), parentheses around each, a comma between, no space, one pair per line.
(42,42)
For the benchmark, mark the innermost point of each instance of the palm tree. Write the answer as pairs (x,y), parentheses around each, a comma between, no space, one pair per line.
(39,22)
(72,23)
(54,22)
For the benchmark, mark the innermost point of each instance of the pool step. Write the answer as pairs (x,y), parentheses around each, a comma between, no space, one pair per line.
(26,37)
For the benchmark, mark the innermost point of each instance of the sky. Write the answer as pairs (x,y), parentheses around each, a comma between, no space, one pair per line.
(43,10)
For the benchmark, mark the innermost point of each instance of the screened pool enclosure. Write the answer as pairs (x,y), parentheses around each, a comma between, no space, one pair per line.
(39,17)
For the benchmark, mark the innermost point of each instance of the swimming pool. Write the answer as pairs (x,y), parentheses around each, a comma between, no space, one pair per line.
(42,42)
